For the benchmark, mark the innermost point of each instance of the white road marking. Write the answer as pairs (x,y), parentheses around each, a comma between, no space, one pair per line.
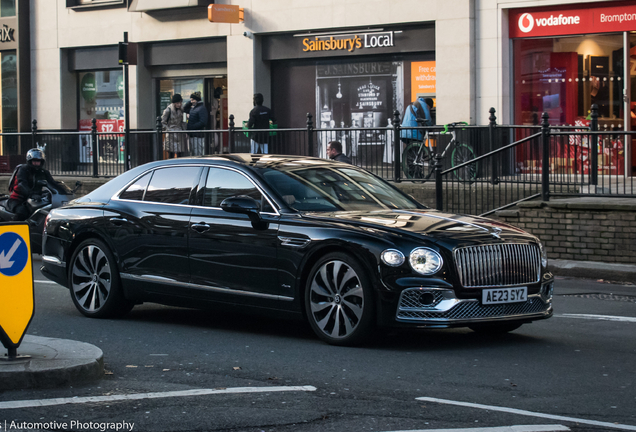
(529,413)
(599,317)
(138,396)
(45,282)
(518,428)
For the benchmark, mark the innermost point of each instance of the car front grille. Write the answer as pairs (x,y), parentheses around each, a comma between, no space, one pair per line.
(472,309)
(498,265)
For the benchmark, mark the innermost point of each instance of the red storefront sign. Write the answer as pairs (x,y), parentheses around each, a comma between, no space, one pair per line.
(569,20)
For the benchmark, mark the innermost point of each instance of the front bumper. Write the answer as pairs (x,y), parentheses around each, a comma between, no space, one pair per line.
(439,307)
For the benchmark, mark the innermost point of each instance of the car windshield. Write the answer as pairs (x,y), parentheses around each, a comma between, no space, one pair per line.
(332,188)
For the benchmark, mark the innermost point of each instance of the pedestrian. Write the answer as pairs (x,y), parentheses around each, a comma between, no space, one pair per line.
(197,121)
(334,151)
(260,118)
(175,144)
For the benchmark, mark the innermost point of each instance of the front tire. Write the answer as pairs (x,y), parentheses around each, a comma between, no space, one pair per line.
(339,300)
(94,281)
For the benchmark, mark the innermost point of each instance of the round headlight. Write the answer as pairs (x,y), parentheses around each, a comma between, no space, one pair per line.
(425,261)
(392,257)
(544,255)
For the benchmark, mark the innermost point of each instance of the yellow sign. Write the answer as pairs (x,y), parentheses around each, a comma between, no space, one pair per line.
(225,13)
(16,283)
(423,79)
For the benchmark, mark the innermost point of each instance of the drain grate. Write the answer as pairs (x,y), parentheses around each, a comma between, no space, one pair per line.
(602,296)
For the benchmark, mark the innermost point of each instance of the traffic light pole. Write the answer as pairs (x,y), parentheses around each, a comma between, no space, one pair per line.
(126,113)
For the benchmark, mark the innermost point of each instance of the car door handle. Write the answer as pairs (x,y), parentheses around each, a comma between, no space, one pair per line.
(118,221)
(200,227)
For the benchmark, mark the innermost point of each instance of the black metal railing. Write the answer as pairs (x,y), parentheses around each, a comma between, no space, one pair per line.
(469,169)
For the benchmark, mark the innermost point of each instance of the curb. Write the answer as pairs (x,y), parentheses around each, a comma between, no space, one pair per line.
(593,270)
(53,363)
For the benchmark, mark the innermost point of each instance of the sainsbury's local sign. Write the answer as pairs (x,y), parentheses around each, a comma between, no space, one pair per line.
(349,42)
(559,21)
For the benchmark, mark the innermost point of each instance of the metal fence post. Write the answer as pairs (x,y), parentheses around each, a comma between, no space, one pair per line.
(230,143)
(593,147)
(396,147)
(493,144)
(95,147)
(157,149)
(34,133)
(310,134)
(545,163)
(439,196)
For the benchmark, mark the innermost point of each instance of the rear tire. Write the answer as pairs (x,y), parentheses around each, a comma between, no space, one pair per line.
(94,281)
(464,153)
(339,300)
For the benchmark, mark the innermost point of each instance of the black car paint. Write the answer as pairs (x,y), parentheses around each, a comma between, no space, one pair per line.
(121,224)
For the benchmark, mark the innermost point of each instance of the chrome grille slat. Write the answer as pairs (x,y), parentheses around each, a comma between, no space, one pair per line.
(508,264)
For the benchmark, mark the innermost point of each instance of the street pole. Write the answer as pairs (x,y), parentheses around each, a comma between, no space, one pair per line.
(126,113)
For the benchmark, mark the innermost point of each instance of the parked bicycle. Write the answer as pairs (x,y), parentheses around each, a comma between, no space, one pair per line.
(418,162)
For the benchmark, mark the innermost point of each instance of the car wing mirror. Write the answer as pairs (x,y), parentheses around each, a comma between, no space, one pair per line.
(244,205)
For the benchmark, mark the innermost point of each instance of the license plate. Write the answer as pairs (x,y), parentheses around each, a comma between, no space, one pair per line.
(504,295)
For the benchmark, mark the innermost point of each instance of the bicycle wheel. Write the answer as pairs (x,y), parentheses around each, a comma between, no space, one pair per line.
(417,162)
(464,153)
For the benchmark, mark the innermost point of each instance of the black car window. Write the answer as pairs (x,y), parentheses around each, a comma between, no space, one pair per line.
(222,183)
(136,190)
(172,185)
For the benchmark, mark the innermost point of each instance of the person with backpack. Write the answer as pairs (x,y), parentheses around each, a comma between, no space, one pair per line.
(172,120)
(25,183)
(416,114)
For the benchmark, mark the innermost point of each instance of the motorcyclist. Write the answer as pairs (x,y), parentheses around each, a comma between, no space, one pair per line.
(26,183)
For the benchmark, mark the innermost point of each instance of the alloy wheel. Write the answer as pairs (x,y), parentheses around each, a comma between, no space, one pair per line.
(336,299)
(91,278)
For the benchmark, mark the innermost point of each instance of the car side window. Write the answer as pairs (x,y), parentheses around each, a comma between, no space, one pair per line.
(172,185)
(223,183)
(136,190)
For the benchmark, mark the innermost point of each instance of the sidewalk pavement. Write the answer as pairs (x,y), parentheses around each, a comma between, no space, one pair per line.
(619,273)
(52,363)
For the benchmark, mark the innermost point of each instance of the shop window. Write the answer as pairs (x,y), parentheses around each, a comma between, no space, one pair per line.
(184,87)
(9,94)
(101,95)
(564,76)
(7,8)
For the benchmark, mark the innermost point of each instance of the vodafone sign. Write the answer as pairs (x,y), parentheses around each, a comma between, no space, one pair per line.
(559,21)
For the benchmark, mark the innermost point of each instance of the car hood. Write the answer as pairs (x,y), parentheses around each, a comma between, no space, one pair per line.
(430,223)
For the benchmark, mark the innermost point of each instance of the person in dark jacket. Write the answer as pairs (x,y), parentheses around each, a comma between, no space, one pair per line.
(334,151)
(260,117)
(198,120)
(24,183)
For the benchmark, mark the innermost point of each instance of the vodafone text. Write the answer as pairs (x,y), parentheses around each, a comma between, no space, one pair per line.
(558,20)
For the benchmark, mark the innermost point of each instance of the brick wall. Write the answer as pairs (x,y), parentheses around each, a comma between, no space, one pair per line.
(590,229)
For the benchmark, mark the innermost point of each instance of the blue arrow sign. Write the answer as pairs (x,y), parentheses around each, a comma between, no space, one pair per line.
(14,254)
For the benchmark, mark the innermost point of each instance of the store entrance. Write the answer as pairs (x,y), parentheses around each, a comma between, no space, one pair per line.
(213,92)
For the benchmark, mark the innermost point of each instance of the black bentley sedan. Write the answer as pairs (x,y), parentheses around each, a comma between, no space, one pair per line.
(324,240)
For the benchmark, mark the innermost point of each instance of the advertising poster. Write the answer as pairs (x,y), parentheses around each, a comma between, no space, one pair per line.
(423,79)
(111,147)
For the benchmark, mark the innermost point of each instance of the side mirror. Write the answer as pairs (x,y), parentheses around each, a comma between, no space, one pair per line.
(241,204)
(244,205)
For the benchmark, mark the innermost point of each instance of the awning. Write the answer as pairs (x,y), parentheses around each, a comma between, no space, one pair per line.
(153,5)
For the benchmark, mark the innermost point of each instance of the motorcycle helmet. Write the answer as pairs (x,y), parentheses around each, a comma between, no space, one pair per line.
(35,154)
